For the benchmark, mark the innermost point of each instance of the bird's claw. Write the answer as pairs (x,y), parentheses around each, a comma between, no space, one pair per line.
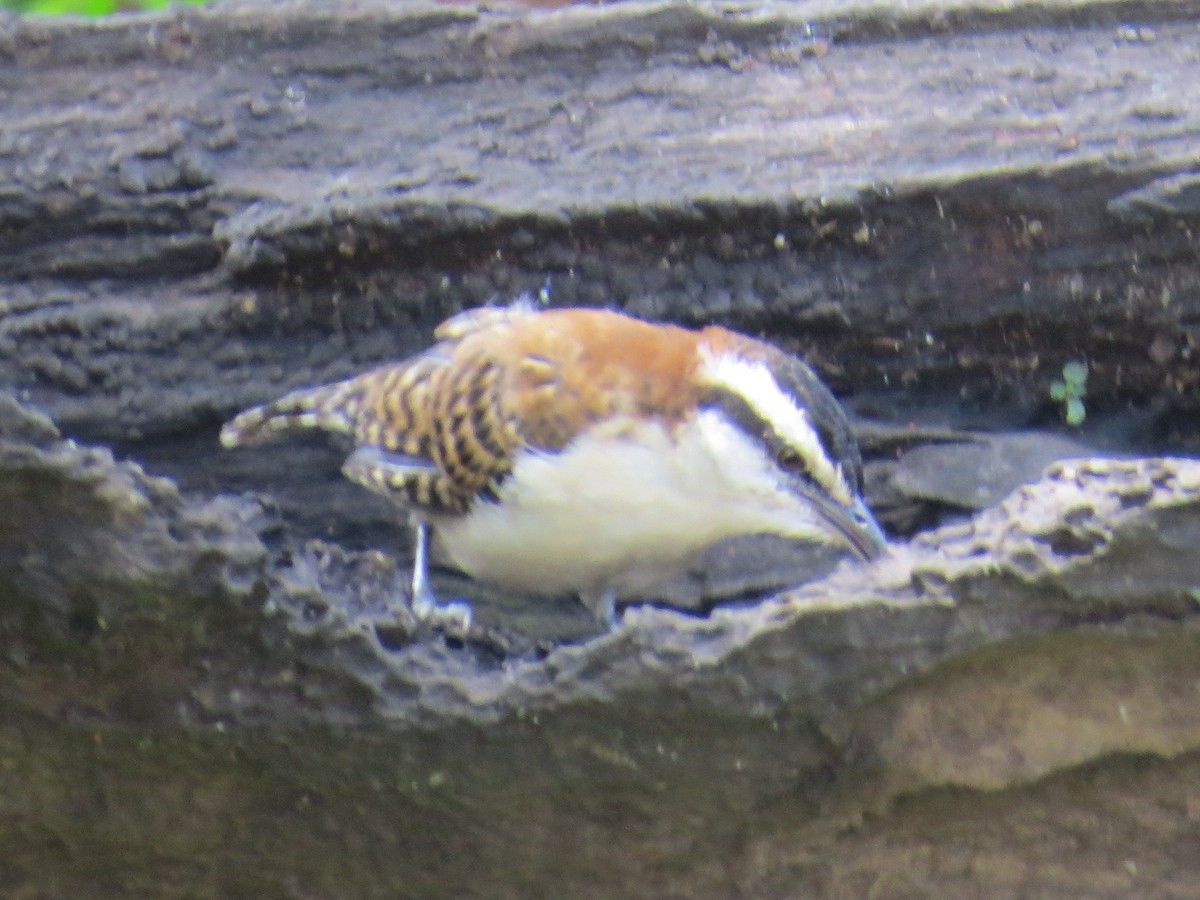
(454,617)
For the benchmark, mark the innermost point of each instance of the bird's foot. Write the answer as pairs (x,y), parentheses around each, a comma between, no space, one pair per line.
(603,605)
(453,617)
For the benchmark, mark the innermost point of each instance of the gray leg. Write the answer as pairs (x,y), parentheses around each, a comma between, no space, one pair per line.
(454,616)
(423,599)
(603,605)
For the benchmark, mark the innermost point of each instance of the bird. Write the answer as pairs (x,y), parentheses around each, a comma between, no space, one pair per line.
(553,452)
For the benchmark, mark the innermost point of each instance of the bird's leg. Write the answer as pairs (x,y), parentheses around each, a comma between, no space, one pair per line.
(423,599)
(455,616)
(603,605)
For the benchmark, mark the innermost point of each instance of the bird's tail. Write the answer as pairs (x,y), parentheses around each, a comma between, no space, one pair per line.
(331,407)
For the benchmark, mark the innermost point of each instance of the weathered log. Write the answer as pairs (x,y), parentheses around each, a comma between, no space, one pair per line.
(203,209)
(939,205)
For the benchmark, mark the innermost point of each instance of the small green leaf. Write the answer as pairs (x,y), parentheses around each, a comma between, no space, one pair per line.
(1058,392)
(1075,374)
(1075,411)
(92,8)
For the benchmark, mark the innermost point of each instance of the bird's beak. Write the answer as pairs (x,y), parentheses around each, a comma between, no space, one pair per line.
(854,524)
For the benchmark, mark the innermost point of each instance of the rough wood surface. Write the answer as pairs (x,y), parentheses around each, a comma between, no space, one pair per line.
(940,204)
(201,210)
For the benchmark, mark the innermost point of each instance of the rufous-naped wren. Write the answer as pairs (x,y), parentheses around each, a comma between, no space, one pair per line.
(585,452)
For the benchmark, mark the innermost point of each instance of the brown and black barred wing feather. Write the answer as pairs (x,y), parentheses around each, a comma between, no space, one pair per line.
(508,380)
(386,412)
(331,407)
(474,435)
(460,434)
(384,407)
(431,433)
(442,430)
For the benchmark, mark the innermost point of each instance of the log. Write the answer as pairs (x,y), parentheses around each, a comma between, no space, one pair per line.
(210,682)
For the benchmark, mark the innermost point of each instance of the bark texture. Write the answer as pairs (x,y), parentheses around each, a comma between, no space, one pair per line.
(210,685)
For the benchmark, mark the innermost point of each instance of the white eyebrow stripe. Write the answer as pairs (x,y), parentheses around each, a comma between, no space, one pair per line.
(754,383)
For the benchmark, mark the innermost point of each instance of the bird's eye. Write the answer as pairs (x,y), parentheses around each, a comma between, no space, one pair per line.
(789,459)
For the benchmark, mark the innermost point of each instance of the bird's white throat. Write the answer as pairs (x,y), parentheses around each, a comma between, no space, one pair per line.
(623,508)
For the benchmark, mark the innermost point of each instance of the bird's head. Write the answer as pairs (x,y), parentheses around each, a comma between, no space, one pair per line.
(785,439)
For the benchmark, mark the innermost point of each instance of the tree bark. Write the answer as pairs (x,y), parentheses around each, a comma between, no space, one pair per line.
(939,205)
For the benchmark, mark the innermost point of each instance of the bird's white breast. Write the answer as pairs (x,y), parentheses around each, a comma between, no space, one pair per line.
(621,509)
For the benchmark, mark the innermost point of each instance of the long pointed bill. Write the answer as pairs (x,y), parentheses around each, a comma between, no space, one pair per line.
(854,524)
